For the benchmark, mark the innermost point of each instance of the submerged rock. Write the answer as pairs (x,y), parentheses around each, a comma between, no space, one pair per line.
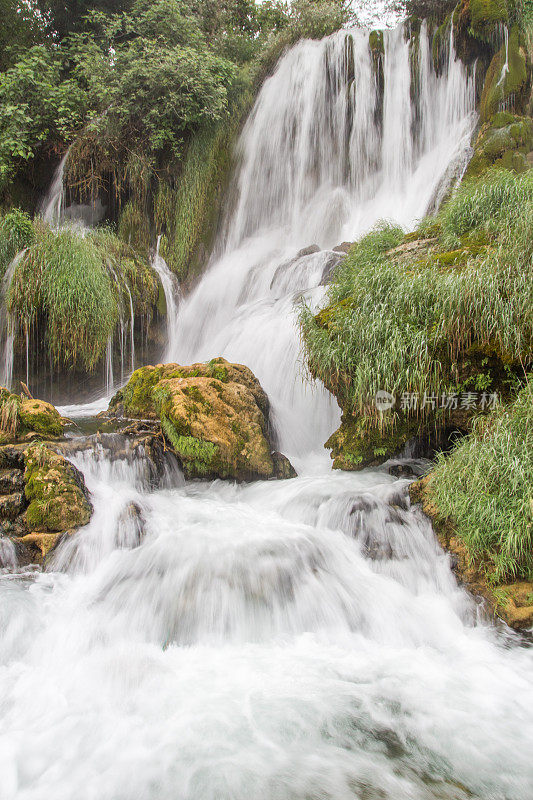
(213,415)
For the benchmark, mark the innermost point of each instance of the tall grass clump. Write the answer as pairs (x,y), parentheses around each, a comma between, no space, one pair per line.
(499,200)
(485,486)
(411,325)
(187,213)
(63,286)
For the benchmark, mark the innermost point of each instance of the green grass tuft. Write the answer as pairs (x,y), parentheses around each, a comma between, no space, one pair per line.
(485,486)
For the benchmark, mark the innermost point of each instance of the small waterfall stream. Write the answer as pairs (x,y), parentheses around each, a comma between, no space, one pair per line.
(283,640)
(171,291)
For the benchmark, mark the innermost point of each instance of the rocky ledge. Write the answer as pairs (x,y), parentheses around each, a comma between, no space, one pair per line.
(213,416)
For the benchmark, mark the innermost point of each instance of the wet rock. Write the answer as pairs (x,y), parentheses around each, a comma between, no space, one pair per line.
(402,471)
(333,260)
(130,529)
(11,505)
(308,251)
(12,457)
(344,247)
(214,417)
(11,480)
(283,468)
(56,492)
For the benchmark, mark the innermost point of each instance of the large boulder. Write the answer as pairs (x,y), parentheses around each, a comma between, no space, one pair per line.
(213,415)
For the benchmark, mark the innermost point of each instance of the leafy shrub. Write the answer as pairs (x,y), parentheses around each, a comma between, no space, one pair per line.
(16,233)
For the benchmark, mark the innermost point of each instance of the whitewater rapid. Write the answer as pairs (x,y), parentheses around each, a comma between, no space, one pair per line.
(284,640)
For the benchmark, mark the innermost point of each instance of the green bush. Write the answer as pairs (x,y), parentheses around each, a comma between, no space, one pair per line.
(16,233)
(485,486)
(72,289)
(62,280)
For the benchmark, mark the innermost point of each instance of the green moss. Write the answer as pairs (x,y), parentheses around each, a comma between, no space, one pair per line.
(358,444)
(509,90)
(486,15)
(217,370)
(55,490)
(198,457)
(40,418)
(375,41)
(137,395)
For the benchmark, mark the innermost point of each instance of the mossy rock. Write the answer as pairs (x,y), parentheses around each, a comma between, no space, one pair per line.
(357,444)
(55,490)
(214,416)
(22,418)
(376,43)
(41,417)
(511,88)
(481,19)
(487,15)
(502,143)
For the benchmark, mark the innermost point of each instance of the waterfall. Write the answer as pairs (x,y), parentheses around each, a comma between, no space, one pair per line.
(7,325)
(505,68)
(329,149)
(172,296)
(109,378)
(53,204)
(284,640)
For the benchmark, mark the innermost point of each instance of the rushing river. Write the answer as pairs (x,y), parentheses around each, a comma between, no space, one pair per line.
(283,640)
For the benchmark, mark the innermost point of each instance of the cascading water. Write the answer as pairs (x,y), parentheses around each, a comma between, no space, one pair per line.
(53,204)
(285,640)
(331,147)
(172,295)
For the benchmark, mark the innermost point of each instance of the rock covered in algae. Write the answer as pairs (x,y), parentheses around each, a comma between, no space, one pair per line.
(56,492)
(58,500)
(214,416)
(23,418)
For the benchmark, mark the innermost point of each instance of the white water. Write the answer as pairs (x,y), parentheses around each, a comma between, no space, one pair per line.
(53,203)
(291,640)
(7,326)
(171,291)
(505,68)
(55,212)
